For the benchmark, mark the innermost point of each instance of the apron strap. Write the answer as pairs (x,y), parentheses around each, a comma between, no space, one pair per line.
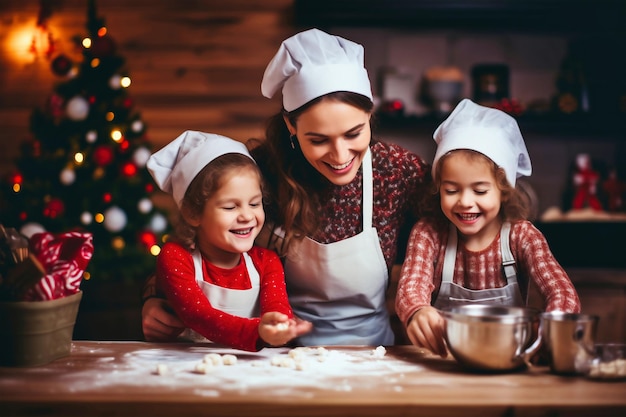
(368,190)
(508,262)
(449,259)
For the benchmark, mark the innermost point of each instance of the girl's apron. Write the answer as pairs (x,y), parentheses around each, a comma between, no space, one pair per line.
(340,286)
(451,294)
(241,303)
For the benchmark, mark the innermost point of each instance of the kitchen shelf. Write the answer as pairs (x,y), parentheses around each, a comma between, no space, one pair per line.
(549,16)
(613,127)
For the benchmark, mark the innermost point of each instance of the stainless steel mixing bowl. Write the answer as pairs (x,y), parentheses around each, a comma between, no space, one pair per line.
(491,338)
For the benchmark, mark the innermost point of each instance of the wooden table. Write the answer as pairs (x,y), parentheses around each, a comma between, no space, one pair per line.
(119,379)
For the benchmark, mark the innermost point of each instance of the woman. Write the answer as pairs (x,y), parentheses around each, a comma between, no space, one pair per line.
(339,198)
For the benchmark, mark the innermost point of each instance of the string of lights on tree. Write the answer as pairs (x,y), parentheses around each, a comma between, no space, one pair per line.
(84,165)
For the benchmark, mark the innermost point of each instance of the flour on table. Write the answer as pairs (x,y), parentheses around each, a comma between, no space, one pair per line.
(206,370)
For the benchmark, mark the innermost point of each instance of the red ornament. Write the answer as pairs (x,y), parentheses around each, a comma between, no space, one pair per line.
(147,238)
(54,208)
(103,155)
(61,65)
(129,169)
(103,46)
(149,188)
(16,178)
(124,145)
(23,216)
(107,197)
(128,102)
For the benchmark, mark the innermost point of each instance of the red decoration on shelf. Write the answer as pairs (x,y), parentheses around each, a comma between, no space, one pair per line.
(103,155)
(586,183)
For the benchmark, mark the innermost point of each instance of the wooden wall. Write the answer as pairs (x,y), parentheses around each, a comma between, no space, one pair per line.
(194,64)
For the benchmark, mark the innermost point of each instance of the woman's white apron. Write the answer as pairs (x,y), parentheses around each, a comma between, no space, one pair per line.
(340,286)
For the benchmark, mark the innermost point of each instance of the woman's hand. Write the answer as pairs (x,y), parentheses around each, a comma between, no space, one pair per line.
(425,329)
(159,323)
(276,329)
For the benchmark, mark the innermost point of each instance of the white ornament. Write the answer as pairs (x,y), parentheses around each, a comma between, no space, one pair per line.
(30,229)
(115,82)
(114,219)
(86,218)
(77,108)
(141,156)
(137,126)
(91,136)
(67,176)
(158,223)
(144,205)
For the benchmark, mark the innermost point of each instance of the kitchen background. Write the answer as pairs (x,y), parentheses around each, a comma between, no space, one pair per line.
(198,65)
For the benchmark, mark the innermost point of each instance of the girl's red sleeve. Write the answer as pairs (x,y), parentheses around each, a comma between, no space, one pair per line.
(176,278)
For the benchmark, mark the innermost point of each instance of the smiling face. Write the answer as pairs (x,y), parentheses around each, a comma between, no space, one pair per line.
(333,137)
(470,197)
(231,218)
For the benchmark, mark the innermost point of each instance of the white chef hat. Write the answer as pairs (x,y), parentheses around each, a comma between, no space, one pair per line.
(489,131)
(175,165)
(313,63)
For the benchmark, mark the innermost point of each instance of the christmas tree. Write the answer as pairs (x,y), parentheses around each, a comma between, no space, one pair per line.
(83,168)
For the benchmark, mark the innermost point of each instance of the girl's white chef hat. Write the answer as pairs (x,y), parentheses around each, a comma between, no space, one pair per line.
(313,63)
(175,165)
(489,131)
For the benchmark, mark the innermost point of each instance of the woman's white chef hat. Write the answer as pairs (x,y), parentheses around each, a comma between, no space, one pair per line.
(175,165)
(489,131)
(313,63)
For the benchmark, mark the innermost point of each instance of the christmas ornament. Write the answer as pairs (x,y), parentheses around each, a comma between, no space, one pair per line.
(114,219)
(136,126)
(67,176)
(141,156)
(158,223)
(29,229)
(91,136)
(147,239)
(115,82)
(86,218)
(54,208)
(129,169)
(61,65)
(144,205)
(77,108)
(103,155)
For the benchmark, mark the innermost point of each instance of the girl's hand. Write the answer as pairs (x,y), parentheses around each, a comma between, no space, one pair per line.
(159,323)
(425,329)
(276,329)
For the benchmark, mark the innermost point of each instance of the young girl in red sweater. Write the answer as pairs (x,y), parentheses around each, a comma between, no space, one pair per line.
(476,246)
(221,286)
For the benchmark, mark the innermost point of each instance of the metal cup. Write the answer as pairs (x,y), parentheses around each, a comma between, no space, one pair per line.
(569,340)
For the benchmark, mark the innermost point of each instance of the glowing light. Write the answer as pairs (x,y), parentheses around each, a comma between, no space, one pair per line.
(79,158)
(118,243)
(116,135)
(17,188)
(87,43)
(86,275)
(155,250)
(95,62)
(102,31)
(125,82)
(99,217)
(110,116)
